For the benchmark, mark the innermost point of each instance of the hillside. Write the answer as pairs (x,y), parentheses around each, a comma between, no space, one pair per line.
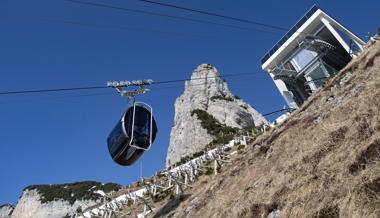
(323,161)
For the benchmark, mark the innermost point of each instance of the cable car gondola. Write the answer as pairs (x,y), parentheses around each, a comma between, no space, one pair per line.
(134,133)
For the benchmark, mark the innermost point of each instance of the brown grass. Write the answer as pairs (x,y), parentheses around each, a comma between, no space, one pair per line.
(370,155)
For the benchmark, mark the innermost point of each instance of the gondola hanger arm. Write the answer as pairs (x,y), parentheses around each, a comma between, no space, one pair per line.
(121,87)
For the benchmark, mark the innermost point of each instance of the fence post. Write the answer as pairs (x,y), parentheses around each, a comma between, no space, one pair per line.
(186,179)
(170,180)
(177,189)
(215,167)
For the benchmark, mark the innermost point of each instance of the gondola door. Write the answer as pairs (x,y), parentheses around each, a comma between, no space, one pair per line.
(142,126)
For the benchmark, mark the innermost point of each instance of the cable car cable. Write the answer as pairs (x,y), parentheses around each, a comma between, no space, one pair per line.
(217,15)
(200,78)
(224,16)
(194,20)
(213,14)
(116,27)
(52,90)
(168,16)
(277,111)
(180,86)
(103,87)
(103,93)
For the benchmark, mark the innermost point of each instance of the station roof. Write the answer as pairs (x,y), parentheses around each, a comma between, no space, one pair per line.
(307,25)
(293,30)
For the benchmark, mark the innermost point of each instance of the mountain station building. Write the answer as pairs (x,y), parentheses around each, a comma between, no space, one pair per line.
(313,50)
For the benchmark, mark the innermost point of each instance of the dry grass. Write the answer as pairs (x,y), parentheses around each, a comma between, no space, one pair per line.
(323,162)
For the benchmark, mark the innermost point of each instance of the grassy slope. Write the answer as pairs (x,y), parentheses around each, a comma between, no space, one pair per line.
(324,161)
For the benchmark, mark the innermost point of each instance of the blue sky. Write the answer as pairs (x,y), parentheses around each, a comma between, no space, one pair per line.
(64,140)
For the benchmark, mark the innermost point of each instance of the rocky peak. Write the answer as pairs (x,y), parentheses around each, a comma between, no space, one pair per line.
(206,93)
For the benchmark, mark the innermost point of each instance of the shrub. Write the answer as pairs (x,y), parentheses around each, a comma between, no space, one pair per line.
(209,171)
(222,133)
(109,187)
(172,196)
(220,97)
(208,122)
(129,203)
(156,198)
(240,147)
(244,106)
(197,154)
(227,149)
(187,158)
(183,160)
(328,212)
(263,149)
(79,209)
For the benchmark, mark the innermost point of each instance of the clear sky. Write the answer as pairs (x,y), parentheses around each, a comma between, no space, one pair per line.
(64,140)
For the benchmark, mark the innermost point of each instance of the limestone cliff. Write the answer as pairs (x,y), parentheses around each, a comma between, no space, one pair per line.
(56,201)
(208,92)
(30,205)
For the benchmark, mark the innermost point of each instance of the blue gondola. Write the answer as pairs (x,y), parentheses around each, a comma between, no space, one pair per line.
(133,134)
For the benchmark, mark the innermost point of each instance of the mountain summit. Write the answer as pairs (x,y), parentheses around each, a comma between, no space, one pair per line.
(205,107)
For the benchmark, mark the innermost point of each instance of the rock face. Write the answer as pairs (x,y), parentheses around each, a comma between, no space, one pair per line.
(29,205)
(6,210)
(210,93)
(58,200)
